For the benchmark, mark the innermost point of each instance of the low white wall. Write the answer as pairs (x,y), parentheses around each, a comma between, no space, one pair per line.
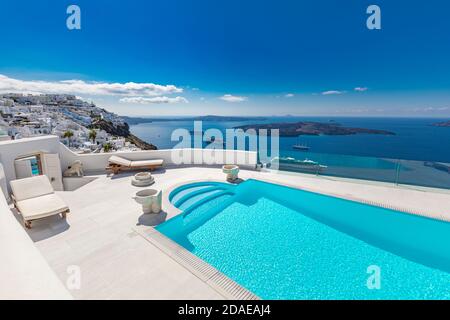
(11,150)
(24,273)
(99,161)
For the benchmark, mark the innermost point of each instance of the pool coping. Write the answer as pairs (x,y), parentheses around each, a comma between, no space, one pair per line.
(218,281)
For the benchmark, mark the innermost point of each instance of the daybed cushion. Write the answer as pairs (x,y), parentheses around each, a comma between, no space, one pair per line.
(31,187)
(144,163)
(41,207)
(120,161)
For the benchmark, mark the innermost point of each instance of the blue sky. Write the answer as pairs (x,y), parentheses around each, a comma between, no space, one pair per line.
(234,57)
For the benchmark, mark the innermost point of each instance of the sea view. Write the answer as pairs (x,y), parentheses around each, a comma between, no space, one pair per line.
(414,139)
(412,155)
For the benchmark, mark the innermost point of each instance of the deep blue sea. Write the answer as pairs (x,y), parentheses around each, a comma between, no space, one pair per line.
(414,139)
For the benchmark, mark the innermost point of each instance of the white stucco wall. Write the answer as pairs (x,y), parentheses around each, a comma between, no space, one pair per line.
(11,150)
(99,161)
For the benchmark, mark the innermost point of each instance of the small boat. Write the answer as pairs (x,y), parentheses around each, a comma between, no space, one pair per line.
(301,147)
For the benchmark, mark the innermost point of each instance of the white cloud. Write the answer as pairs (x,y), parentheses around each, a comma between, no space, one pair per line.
(154,100)
(431,109)
(231,98)
(330,92)
(8,84)
(289,95)
(361,89)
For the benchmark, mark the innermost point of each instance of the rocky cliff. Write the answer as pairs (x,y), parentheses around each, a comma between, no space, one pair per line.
(121,131)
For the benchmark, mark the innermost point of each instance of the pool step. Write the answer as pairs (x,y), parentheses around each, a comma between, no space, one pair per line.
(205,208)
(185,196)
(182,191)
(193,197)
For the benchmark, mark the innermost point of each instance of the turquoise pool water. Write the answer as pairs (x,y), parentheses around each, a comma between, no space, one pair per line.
(284,243)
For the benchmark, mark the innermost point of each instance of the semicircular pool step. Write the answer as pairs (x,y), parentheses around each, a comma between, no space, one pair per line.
(195,196)
(190,194)
(181,192)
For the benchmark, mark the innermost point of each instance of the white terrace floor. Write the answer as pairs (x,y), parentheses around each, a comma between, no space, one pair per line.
(116,262)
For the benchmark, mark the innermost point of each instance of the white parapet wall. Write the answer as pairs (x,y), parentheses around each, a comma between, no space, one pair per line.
(11,150)
(99,161)
(24,273)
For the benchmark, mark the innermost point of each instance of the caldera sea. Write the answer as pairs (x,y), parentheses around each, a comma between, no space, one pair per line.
(414,139)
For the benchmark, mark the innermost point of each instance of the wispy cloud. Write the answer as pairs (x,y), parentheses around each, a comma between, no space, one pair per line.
(289,95)
(8,84)
(360,89)
(231,98)
(431,109)
(153,100)
(331,92)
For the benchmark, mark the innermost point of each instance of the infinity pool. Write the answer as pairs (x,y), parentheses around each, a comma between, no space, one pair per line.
(284,243)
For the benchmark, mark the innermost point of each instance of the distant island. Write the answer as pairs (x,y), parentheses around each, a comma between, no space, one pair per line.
(138,120)
(442,124)
(313,128)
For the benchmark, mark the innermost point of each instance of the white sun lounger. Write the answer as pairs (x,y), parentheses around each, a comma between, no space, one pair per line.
(35,198)
(116,164)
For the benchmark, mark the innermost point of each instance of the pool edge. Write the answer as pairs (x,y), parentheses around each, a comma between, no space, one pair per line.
(218,281)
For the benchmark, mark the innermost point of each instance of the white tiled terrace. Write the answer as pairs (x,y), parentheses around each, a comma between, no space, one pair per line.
(102,234)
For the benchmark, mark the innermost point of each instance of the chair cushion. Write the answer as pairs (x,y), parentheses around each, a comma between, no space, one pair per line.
(40,207)
(120,161)
(143,163)
(31,187)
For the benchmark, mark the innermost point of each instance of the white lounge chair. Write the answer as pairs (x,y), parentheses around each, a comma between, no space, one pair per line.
(117,164)
(35,198)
